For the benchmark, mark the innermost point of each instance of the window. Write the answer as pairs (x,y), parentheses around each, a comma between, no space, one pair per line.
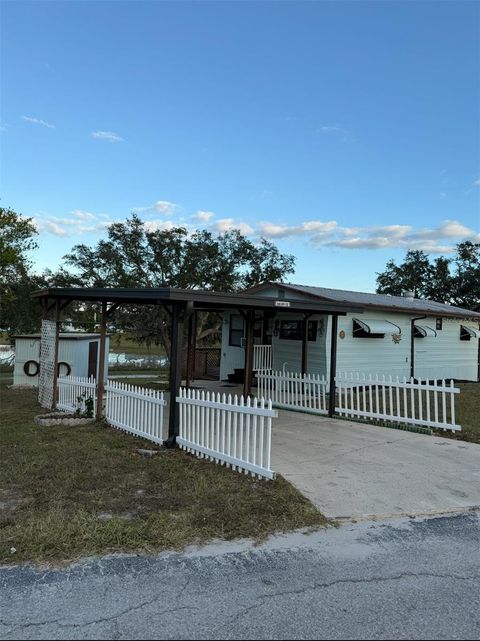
(373,328)
(439,323)
(293,330)
(237,330)
(467,333)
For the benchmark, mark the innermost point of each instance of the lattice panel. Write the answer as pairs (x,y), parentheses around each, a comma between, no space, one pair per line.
(47,363)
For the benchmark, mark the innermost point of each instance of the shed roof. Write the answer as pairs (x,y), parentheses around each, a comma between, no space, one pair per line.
(400,304)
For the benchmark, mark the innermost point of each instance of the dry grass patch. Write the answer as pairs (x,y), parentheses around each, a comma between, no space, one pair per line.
(69,492)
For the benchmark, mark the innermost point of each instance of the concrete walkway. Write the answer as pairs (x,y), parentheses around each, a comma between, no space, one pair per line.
(352,470)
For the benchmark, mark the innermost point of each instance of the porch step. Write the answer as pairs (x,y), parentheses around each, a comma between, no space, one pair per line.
(238,376)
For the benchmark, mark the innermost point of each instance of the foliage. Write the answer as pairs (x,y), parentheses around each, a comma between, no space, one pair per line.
(135,256)
(18,312)
(16,239)
(85,405)
(455,281)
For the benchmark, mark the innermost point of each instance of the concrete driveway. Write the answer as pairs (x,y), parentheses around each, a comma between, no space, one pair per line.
(351,470)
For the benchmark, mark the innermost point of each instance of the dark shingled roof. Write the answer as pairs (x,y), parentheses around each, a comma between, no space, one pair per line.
(400,304)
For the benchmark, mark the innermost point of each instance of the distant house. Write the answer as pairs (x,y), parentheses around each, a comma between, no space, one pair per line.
(395,335)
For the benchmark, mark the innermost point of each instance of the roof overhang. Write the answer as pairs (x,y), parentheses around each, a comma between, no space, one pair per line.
(423,330)
(197,299)
(374,326)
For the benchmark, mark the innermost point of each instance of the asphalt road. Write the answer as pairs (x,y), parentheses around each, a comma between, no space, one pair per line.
(404,579)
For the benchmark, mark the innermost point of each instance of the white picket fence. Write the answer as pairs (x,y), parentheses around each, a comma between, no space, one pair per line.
(413,402)
(73,391)
(305,392)
(227,430)
(137,410)
(262,358)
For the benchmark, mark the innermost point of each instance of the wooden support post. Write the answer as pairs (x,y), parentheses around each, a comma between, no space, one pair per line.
(178,315)
(333,365)
(305,343)
(190,348)
(101,364)
(247,381)
(55,358)
(194,350)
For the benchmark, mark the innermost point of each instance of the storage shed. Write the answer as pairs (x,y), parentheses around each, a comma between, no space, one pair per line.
(78,355)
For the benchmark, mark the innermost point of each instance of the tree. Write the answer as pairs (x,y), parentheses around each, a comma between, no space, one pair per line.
(16,239)
(135,256)
(18,312)
(454,281)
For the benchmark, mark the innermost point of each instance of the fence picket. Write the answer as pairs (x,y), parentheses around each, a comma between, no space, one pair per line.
(386,402)
(240,434)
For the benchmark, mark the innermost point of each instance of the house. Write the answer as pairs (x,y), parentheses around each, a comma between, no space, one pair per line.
(394,336)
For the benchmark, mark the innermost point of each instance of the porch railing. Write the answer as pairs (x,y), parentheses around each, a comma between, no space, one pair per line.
(262,358)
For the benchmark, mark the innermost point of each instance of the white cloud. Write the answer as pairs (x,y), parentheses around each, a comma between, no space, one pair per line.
(83,215)
(78,222)
(330,234)
(38,121)
(333,128)
(203,216)
(163,207)
(228,224)
(273,230)
(159,225)
(477,182)
(109,136)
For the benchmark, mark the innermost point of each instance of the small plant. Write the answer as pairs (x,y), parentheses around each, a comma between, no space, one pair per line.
(84,405)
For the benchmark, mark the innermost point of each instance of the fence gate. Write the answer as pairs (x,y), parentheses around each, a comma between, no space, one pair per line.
(227,430)
(303,392)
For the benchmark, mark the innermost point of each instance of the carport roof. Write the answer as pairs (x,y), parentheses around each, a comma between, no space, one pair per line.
(199,299)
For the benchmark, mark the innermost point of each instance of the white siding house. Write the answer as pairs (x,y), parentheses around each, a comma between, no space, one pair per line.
(379,341)
(78,355)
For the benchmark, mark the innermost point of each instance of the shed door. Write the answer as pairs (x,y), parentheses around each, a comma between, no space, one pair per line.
(92,359)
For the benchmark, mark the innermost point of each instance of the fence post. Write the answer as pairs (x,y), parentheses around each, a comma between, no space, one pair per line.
(101,364)
(333,365)
(178,316)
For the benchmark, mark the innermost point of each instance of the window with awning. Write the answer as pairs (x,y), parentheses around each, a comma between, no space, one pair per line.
(467,333)
(421,331)
(373,328)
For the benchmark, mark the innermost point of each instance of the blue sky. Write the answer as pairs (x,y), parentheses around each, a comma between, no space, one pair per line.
(346,132)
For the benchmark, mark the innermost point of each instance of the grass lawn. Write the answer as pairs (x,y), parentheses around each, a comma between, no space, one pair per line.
(69,492)
(467,413)
(122,342)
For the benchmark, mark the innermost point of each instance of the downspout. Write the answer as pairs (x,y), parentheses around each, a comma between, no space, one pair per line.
(412,344)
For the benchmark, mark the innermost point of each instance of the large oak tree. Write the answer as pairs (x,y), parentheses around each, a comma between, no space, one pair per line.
(133,255)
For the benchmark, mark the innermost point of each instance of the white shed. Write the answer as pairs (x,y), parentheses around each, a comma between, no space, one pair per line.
(78,355)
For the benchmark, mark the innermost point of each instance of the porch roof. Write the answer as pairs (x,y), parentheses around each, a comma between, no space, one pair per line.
(198,299)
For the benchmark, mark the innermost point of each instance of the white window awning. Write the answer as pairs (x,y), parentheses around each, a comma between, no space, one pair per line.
(424,330)
(374,326)
(471,331)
